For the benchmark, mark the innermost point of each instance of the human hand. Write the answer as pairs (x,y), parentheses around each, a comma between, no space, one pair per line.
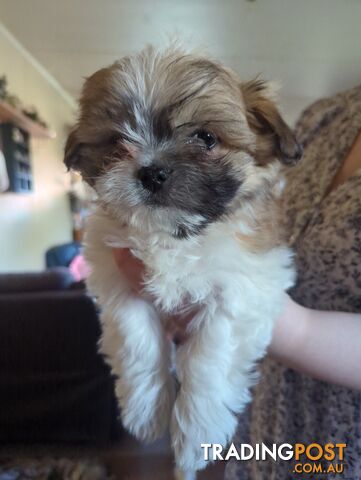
(133,269)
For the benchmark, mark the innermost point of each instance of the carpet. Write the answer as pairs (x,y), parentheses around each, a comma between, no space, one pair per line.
(53,469)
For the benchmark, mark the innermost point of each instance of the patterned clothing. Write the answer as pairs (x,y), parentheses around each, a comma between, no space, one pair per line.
(325,231)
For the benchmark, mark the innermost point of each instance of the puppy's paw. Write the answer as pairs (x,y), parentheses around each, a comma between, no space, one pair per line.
(197,420)
(146,410)
(188,453)
(185,442)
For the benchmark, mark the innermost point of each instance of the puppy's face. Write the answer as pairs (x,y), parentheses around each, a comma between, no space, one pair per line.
(173,142)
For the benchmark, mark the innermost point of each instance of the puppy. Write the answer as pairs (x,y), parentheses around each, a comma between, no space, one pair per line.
(185,160)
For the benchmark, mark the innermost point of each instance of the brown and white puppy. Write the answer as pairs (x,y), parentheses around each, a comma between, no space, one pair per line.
(185,160)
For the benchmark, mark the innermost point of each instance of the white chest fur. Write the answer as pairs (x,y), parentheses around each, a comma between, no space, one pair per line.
(199,268)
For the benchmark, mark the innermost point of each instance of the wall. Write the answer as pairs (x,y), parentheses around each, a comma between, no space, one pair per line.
(311,46)
(31,223)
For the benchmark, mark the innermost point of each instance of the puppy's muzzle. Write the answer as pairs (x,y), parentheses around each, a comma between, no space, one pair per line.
(153,178)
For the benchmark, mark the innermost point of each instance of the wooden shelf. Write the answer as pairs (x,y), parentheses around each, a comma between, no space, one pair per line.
(10,114)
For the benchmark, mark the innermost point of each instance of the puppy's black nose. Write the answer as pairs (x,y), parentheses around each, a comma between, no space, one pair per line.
(152,178)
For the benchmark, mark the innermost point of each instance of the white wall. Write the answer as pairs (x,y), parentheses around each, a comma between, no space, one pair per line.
(312,46)
(31,223)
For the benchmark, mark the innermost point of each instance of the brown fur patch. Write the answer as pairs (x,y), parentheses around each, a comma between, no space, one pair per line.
(266,227)
(274,137)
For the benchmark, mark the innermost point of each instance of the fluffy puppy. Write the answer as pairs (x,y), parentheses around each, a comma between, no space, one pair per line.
(185,160)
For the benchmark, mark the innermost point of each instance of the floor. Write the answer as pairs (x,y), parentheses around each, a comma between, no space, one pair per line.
(127,460)
(132,461)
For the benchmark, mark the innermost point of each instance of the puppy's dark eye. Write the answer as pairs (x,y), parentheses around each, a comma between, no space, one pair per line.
(207,138)
(115,140)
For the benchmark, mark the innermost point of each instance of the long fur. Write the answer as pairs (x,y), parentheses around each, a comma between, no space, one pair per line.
(210,239)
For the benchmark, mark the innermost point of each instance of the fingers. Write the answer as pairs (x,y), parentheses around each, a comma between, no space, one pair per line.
(177,326)
(131,267)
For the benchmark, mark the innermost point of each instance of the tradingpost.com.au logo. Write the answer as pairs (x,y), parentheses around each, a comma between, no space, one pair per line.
(305,458)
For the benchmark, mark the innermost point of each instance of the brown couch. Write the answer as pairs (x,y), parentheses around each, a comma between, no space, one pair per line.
(54,386)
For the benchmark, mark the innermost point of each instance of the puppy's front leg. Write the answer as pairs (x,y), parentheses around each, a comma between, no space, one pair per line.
(135,345)
(206,403)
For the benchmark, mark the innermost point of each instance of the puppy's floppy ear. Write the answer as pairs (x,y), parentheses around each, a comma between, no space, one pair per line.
(73,151)
(276,139)
(83,157)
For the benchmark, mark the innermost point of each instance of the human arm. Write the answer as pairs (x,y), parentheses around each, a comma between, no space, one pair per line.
(325,345)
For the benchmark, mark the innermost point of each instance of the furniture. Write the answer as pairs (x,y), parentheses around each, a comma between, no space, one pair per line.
(62,255)
(16,148)
(11,114)
(54,386)
(16,128)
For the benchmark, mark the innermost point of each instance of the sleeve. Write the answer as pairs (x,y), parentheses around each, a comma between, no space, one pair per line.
(315,117)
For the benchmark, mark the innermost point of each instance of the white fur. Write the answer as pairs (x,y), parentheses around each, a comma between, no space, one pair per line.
(238,295)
